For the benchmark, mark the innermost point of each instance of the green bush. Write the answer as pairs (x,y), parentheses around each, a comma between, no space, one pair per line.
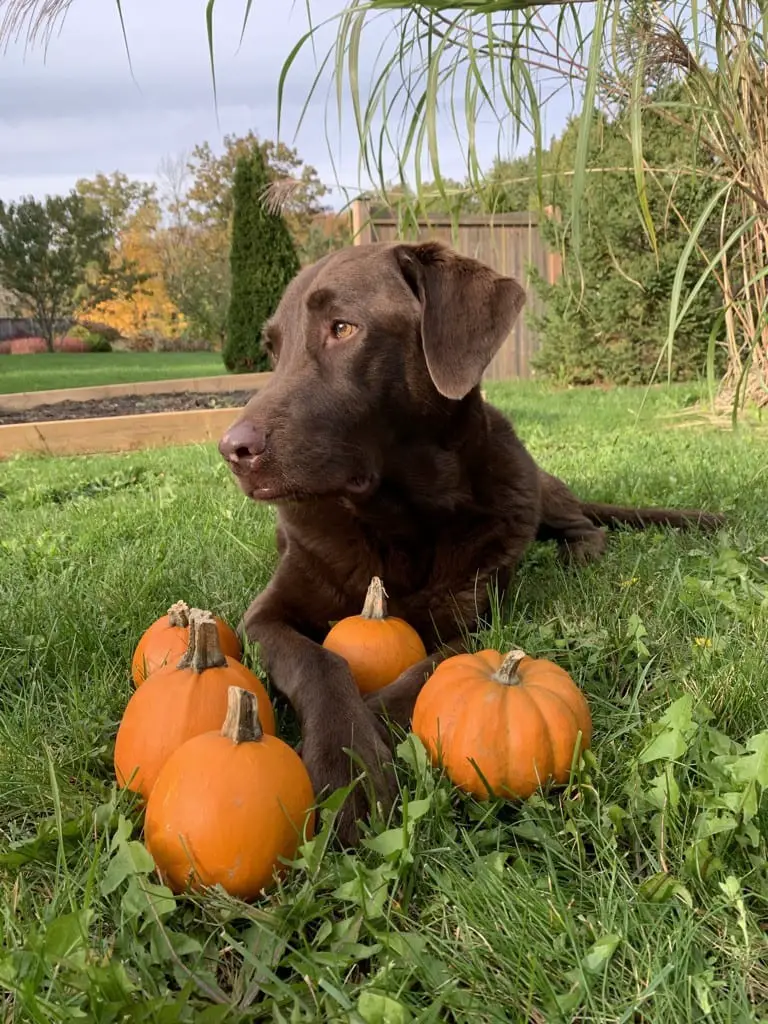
(78,331)
(615,330)
(263,261)
(607,318)
(94,329)
(98,343)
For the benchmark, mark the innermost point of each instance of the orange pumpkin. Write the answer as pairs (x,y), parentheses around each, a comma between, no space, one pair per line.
(519,719)
(377,646)
(165,641)
(228,805)
(181,701)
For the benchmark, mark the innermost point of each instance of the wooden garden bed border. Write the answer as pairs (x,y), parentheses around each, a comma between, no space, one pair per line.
(103,434)
(24,400)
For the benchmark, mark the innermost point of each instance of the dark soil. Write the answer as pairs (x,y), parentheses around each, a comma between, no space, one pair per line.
(125,405)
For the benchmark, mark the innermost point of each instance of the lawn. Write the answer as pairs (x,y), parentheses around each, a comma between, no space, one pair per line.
(85,369)
(636,895)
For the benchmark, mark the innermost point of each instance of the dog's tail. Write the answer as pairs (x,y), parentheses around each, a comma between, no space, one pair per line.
(640,518)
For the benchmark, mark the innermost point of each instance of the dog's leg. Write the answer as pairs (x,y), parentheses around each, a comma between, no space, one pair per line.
(395,702)
(562,520)
(322,692)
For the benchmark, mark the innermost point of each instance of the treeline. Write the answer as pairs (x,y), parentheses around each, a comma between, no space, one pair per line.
(151,263)
(154,263)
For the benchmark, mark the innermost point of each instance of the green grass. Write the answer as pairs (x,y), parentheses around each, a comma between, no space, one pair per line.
(50,370)
(636,895)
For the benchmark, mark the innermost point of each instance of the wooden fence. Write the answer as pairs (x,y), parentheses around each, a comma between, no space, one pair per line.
(508,242)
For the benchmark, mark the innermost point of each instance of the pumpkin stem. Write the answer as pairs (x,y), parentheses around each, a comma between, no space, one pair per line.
(203,649)
(507,671)
(178,614)
(242,722)
(375,606)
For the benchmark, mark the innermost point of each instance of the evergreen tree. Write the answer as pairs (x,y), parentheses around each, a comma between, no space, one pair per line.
(263,261)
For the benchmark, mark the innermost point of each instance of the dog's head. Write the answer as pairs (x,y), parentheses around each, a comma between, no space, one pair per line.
(371,346)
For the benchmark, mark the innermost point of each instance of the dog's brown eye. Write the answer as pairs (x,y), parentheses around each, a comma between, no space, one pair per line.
(341,330)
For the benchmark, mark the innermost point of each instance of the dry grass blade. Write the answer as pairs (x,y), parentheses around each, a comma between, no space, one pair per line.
(716,51)
(276,197)
(668,48)
(664,44)
(33,18)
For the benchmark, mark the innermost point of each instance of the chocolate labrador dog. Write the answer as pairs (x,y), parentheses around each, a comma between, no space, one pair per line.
(373,440)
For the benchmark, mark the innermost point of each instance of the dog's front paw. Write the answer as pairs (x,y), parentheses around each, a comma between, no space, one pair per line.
(395,703)
(338,755)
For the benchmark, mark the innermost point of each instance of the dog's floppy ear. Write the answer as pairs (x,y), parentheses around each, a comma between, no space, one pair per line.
(467,310)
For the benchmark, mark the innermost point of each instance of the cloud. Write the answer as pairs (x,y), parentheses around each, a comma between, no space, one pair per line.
(80,107)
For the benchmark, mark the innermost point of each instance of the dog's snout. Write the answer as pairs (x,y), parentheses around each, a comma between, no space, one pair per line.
(244,440)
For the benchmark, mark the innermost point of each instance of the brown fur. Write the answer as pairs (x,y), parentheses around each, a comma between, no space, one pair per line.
(383,459)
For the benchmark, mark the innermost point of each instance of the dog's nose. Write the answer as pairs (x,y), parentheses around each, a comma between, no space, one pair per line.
(243,440)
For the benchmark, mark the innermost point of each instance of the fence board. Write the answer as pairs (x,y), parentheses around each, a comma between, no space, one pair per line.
(509,242)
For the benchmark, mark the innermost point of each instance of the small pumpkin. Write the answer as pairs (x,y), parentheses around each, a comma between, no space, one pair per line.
(165,641)
(228,805)
(180,701)
(519,719)
(377,646)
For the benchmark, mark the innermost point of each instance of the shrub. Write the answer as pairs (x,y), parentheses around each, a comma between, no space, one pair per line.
(79,331)
(606,319)
(96,343)
(263,261)
(87,328)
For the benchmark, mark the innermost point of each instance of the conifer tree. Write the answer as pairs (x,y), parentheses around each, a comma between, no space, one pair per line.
(263,261)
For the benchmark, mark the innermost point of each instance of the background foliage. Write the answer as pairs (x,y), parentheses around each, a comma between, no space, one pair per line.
(263,262)
(605,320)
(163,268)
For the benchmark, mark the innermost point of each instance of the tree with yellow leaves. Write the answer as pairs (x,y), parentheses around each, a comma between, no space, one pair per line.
(143,311)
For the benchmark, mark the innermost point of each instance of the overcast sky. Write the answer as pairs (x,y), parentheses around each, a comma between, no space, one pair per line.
(75,109)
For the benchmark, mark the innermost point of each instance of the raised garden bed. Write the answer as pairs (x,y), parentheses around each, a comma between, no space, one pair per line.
(124,405)
(122,417)
(213,385)
(114,433)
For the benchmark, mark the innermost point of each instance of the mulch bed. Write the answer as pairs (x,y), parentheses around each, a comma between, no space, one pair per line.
(125,405)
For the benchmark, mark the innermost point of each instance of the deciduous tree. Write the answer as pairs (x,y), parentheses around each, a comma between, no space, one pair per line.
(118,197)
(197,195)
(144,310)
(53,254)
(210,199)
